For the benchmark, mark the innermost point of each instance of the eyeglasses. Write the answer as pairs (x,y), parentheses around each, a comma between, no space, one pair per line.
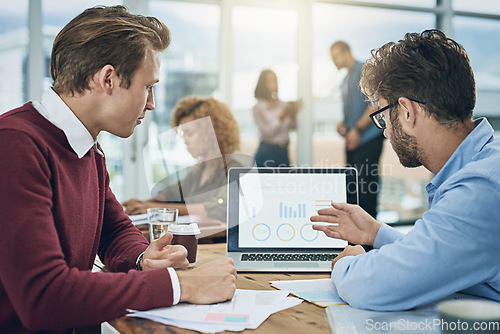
(378,116)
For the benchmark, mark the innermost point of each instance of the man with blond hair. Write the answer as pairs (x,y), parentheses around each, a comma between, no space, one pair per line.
(58,211)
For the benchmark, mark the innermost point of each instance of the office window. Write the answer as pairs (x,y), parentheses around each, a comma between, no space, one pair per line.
(402,195)
(56,14)
(13,52)
(13,17)
(480,38)
(263,38)
(190,64)
(413,3)
(189,67)
(477,6)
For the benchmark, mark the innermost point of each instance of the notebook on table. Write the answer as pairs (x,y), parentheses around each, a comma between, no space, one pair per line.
(268,216)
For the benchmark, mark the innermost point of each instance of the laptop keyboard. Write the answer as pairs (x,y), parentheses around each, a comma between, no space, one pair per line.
(287,257)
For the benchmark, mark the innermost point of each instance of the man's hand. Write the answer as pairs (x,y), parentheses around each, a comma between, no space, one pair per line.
(350,222)
(134,206)
(352,139)
(213,282)
(349,251)
(341,129)
(160,254)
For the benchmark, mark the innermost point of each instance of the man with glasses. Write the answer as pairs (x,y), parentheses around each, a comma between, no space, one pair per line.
(363,141)
(425,88)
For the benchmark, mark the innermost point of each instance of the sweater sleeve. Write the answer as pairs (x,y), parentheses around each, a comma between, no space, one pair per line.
(36,281)
(121,242)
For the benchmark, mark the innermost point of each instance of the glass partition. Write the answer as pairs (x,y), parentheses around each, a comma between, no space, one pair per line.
(263,38)
(480,38)
(56,14)
(189,67)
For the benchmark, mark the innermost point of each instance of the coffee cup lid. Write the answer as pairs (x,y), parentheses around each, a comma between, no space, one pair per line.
(184,229)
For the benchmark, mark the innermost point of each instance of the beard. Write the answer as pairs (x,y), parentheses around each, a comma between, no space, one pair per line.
(405,146)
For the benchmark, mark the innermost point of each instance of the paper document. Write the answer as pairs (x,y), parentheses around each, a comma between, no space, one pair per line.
(247,310)
(142,219)
(320,292)
(139,219)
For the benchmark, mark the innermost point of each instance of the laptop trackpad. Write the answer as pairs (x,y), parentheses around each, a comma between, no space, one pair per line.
(296,265)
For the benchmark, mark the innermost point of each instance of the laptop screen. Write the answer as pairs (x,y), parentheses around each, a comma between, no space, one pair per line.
(269,208)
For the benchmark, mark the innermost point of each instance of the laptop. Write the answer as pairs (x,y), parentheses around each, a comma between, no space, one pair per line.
(268,225)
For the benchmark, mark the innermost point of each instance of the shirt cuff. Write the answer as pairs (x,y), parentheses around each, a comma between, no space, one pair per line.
(340,268)
(176,287)
(386,235)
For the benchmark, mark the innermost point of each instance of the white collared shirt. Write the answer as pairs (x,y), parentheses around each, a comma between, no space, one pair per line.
(53,108)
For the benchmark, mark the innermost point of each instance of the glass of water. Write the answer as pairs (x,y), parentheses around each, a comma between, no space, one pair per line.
(159,219)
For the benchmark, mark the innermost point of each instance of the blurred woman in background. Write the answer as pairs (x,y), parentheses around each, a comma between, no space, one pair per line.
(274,119)
(211,134)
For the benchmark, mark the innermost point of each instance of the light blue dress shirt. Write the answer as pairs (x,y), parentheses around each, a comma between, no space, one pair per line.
(454,247)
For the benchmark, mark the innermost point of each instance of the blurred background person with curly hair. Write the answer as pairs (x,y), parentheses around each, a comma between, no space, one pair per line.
(211,135)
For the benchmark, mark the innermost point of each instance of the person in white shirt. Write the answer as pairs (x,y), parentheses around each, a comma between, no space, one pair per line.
(58,209)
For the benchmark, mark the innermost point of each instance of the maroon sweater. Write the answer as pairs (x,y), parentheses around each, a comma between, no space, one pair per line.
(56,213)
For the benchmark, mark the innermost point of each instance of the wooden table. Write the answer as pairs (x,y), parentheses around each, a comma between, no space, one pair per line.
(303,318)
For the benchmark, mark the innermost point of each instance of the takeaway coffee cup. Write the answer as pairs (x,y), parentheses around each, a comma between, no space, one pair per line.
(469,316)
(185,235)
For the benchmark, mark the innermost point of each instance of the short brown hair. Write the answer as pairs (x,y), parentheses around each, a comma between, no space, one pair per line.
(225,126)
(261,91)
(100,36)
(428,66)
